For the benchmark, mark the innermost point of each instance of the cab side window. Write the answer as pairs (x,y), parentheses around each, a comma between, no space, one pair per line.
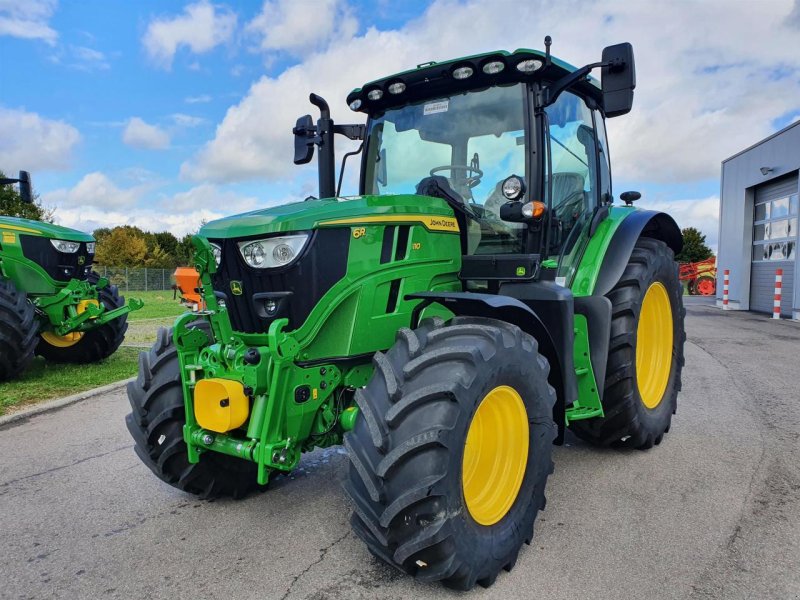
(604,159)
(573,160)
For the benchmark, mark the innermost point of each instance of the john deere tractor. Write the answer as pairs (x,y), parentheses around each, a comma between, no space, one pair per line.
(51,302)
(481,294)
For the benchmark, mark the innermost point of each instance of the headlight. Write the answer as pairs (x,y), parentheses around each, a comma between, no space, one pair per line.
(272,252)
(217,252)
(513,187)
(65,246)
(90,247)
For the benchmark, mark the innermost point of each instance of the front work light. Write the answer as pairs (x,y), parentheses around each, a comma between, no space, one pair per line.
(355,104)
(65,246)
(397,87)
(494,67)
(375,95)
(529,66)
(463,72)
(274,252)
(90,247)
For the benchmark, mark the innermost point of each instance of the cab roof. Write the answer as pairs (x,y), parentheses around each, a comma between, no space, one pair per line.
(431,80)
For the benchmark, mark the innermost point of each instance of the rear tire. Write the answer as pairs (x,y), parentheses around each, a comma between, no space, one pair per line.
(408,477)
(156,423)
(19,330)
(628,421)
(97,344)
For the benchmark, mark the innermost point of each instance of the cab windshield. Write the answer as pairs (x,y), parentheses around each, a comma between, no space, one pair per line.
(475,140)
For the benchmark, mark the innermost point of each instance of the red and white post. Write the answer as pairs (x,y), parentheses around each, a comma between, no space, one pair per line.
(725,281)
(776,306)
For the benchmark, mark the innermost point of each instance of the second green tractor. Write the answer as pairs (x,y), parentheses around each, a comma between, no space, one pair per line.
(481,294)
(52,303)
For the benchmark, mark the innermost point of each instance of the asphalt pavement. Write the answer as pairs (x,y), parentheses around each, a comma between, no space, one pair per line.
(711,513)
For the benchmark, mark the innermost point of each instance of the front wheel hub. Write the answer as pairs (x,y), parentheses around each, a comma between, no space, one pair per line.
(495,455)
(654,345)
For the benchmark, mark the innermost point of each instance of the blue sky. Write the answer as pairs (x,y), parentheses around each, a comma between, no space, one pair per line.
(161,114)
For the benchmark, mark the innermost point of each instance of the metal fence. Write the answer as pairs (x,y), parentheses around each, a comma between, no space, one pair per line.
(137,279)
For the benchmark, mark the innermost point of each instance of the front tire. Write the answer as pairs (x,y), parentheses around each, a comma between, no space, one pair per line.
(645,359)
(89,346)
(19,330)
(452,449)
(156,424)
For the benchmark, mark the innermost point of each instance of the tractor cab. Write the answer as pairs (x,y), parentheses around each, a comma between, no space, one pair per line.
(515,143)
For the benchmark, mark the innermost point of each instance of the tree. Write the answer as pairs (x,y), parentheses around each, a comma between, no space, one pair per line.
(694,247)
(11,205)
(123,247)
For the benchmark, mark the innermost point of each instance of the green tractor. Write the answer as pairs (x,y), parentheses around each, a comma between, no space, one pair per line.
(481,294)
(51,302)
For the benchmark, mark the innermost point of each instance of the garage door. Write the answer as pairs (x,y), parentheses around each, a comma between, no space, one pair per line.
(774,242)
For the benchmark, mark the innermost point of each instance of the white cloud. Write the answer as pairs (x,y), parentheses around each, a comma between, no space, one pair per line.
(28,19)
(183,120)
(702,214)
(97,201)
(298,26)
(201,99)
(139,134)
(34,143)
(708,77)
(209,195)
(95,190)
(81,58)
(202,27)
(91,218)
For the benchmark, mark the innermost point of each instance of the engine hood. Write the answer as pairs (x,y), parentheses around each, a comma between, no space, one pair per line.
(48,230)
(312,214)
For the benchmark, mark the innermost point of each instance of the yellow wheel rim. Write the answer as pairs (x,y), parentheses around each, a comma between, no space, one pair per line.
(654,345)
(62,341)
(495,455)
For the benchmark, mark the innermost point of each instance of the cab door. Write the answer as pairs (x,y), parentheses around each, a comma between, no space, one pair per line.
(575,179)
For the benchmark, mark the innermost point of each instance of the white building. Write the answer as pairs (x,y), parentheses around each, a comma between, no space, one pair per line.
(758,224)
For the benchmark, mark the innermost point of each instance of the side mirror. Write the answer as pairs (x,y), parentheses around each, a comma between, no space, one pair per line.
(618,79)
(304,136)
(25,192)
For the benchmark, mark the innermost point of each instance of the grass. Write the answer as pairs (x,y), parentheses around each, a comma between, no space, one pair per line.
(46,381)
(156,305)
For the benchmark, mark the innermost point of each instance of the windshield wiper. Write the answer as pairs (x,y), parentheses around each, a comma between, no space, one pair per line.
(568,150)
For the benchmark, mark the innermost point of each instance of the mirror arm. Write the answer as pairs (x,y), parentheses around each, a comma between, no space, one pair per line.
(553,91)
(353,132)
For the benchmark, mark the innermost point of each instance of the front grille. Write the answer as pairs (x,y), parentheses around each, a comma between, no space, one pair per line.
(322,264)
(61,266)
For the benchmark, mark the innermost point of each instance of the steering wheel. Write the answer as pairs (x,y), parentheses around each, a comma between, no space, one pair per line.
(472,180)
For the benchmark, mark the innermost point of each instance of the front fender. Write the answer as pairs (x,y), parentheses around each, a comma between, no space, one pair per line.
(611,246)
(555,339)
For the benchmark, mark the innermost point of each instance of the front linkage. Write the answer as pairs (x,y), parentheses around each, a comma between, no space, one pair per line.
(223,379)
(76,307)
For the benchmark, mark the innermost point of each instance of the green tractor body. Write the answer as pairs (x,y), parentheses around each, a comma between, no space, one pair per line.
(480,295)
(52,303)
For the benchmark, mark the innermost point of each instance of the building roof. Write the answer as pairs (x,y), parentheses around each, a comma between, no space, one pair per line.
(766,139)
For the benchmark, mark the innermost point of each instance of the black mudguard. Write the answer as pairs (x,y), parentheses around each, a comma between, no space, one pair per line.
(641,223)
(542,309)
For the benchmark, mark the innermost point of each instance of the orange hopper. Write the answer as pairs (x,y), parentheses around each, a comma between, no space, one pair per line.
(187,282)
